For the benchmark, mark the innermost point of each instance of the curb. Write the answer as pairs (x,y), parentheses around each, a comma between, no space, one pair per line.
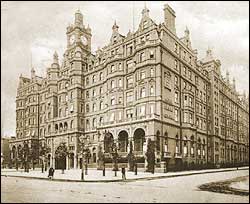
(128,180)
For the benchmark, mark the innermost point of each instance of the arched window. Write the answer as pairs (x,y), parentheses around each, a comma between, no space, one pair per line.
(101,105)
(139,137)
(56,127)
(71,124)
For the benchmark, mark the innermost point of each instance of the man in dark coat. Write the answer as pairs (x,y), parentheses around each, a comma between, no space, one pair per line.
(123,173)
(51,172)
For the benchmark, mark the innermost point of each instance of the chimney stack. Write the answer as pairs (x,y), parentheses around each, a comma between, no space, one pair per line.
(169,16)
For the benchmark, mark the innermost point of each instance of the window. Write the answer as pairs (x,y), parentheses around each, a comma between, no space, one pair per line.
(143,92)
(120,100)
(151,90)
(191,118)
(101,75)
(101,90)
(129,113)
(142,57)
(151,109)
(120,115)
(145,23)
(87,108)
(176,80)
(87,81)
(176,47)
(120,82)
(71,95)
(151,54)
(87,124)
(151,72)
(87,94)
(130,80)
(101,105)
(176,64)
(143,75)
(112,100)
(112,84)
(176,97)
(112,117)
(176,114)
(94,79)
(129,96)
(66,111)
(94,107)
(120,66)
(184,54)
(191,101)
(101,120)
(185,70)
(94,122)
(185,117)
(130,64)
(94,93)
(112,68)
(142,111)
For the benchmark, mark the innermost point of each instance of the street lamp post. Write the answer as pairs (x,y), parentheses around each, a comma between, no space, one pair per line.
(85,155)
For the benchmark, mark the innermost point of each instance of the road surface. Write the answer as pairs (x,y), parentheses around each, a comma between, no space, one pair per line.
(178,189)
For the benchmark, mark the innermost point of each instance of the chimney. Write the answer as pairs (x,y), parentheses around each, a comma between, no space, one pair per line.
(169,16)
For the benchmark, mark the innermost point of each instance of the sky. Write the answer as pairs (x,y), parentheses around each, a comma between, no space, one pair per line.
(32,31)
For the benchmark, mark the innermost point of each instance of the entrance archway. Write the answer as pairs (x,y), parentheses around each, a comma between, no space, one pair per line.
(139,138)
(123,141)
(108,142)
(60,157)
(71,160)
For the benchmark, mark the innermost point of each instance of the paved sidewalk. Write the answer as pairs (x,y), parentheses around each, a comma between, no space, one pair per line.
(96,175)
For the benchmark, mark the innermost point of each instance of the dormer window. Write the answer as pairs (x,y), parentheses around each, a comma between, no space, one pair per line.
(145,23)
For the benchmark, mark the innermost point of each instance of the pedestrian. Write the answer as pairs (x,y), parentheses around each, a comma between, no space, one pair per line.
(135,168)
(51,173)
(123,174)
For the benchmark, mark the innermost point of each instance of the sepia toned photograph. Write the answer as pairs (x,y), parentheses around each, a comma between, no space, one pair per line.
(124,101)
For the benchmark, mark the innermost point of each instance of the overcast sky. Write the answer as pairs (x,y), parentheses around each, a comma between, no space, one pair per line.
(39,28)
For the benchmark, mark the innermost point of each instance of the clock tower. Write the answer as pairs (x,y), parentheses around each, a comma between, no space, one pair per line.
(78,35)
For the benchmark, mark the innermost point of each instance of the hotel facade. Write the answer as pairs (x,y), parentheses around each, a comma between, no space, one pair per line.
(147,84)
